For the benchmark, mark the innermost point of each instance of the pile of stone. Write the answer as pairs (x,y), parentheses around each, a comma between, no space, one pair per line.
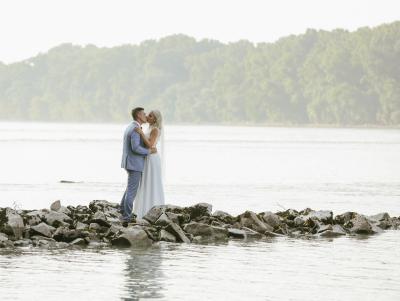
(99,225)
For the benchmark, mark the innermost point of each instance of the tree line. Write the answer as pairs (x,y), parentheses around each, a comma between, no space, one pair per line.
(319,77)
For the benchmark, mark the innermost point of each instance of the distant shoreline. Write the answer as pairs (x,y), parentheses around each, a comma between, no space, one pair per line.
(226,124)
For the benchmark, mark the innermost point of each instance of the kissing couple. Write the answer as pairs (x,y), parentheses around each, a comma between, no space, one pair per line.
(142,161)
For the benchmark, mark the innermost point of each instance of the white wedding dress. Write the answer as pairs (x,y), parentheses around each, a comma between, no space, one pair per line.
(150,191)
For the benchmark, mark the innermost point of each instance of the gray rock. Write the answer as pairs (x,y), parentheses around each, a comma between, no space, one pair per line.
(55,206)
(250,220)
(333,231)
(271,219)
(154,213)
(3,237)
(132,237)
(344,218)
(236,233)
(22,243)
(163,220)
(379,217)
(177,232)
(34,217)
(206,231)
(14,224)
(166,236)
(272,234)
(176,218)
(64,210)
(199,210)
(251,234)
(42,229)
(324,216)
(223,216)
(100,218)
(95,227)
(81,226)
(57,219)
(67,235)
(78,242)
(360,225)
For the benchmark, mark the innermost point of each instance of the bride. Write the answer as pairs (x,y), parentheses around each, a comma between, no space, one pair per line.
(151,192)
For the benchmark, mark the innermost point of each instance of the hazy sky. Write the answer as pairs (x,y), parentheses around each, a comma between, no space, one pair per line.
(29,27)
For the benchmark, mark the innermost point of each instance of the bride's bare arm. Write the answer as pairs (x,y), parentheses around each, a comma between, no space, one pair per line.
(151,142)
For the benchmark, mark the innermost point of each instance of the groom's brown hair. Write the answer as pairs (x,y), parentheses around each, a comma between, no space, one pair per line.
(135,111)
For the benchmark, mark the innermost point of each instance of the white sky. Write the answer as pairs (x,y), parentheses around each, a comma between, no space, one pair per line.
(28,27)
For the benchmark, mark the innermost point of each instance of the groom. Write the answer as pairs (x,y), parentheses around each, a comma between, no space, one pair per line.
(133,155)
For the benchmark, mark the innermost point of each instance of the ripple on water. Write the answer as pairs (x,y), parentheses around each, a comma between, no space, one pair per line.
(349,268)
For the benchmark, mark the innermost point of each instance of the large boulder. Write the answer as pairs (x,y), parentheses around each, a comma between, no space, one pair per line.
(42,229)
(250,220)
(361,225)
(206,231)
(132,237)
(100,218)
(57,219)
(11,223)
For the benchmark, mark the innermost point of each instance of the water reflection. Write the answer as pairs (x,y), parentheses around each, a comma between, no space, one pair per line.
(142,274)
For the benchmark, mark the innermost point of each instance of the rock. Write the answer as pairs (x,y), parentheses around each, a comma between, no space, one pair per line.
(132,237)
(332,231)
(42,229)
(22,243)
(272,234)
(177,218)
(199,210)
(64,210)
(13,223)
(55,206)
(236,233)
(67,235)
(102,205)
(251,234)
(360,225)
(3,237)
(166,236)
(324,216)
(271,219)
(250,220)
(379,217)
(163,220)
(100,218)
(224,217)
(177,232)
(34,217)
(95,227)
(57,219)
(289,214)
(344,218)
(206,231)
(81,226)
(78,242)
(154,213)
(142,222)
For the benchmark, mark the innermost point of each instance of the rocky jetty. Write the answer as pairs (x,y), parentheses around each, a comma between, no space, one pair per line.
(99,225)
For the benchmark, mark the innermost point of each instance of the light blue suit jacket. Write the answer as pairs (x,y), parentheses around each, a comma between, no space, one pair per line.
(134,150)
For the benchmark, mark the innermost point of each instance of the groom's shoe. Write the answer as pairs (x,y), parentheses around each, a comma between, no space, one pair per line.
(125,224)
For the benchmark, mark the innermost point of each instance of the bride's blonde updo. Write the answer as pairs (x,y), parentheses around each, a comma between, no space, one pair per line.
(158,119)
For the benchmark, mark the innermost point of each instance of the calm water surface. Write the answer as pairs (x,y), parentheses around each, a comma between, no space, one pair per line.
(234,168)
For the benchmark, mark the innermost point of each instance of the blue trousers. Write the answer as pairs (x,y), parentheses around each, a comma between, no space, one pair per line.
(130,194)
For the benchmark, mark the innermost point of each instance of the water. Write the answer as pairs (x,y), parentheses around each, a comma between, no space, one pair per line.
(234,168)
